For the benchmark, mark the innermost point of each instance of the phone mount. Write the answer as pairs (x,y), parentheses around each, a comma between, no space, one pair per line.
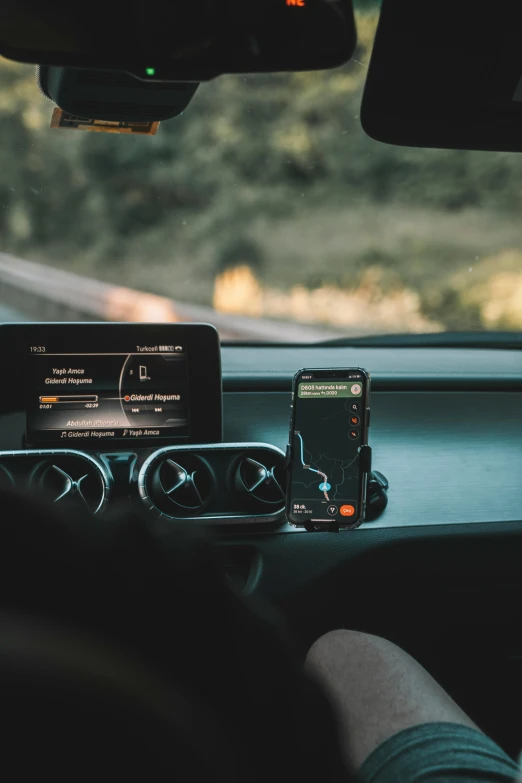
(376,502)
(376,495)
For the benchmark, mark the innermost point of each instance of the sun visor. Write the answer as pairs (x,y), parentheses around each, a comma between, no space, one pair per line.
(446,74)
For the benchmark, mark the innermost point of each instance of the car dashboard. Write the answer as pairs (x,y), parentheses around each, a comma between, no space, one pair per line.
(438,572)
(446,431)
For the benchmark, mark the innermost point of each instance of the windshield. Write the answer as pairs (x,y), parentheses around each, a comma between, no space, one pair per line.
(264,209)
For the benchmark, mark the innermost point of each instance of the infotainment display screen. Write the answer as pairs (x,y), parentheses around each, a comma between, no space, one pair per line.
(89,383)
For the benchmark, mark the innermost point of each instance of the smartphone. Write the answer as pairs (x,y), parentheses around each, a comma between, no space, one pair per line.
(328,450)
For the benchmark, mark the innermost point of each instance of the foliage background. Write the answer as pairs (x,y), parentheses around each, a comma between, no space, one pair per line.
(274,175)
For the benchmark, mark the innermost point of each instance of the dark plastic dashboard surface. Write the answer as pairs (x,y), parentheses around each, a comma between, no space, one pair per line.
(408,369)
(450,457)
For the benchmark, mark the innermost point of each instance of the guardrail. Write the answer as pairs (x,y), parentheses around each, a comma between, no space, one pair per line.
(45,293)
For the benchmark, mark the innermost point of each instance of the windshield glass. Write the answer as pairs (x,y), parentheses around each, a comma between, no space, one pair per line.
(264,209)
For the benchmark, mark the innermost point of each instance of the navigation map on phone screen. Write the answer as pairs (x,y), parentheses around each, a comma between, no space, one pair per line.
(328,429)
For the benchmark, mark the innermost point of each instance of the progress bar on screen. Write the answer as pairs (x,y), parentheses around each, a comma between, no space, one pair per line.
(70,398)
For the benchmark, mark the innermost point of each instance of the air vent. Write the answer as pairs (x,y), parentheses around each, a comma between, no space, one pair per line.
(216,484)
(6,480)
(181,486)
(260,480)
(73,481)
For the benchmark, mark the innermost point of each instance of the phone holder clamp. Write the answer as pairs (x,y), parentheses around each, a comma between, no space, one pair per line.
(376,502)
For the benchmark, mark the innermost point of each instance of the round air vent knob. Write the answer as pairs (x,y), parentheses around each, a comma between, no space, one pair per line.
(260,480)
(178,487)
(73,481)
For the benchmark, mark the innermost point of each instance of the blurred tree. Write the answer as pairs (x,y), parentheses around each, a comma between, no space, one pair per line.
(248,153)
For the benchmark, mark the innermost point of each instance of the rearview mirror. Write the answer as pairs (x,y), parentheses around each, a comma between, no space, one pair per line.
(180,41)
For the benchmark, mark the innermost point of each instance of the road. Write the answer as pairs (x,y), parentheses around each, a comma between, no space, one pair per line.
(324,486)
(63,295)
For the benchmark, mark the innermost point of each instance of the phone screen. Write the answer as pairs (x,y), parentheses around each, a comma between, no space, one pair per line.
(329,424)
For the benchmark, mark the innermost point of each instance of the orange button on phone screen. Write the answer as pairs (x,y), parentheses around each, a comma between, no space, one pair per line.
(347,511)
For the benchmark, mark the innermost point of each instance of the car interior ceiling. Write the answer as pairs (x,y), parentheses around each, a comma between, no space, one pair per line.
(437,571)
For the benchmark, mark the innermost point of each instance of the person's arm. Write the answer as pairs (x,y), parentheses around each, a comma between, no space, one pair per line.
(157,591)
